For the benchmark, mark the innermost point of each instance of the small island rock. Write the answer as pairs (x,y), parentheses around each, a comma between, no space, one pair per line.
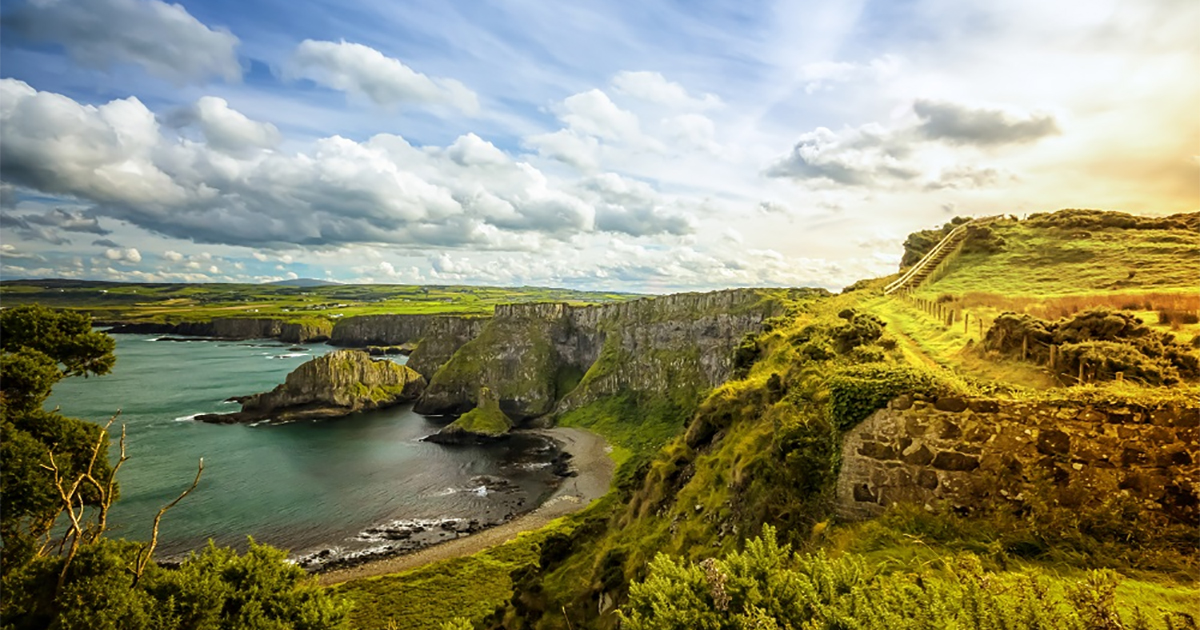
(334,385)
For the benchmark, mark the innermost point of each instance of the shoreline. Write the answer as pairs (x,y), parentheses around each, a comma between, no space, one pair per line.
(594,471)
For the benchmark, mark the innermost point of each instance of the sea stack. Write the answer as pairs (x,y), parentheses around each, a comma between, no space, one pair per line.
(337,384)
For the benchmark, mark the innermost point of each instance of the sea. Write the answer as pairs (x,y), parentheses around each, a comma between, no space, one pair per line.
(328,491)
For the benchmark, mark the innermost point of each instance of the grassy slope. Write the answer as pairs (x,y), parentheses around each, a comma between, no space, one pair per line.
(198,302)
(1049,262)
(1049,272)
(486,419)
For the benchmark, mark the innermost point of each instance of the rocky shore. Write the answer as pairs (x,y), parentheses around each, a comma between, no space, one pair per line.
(586,471)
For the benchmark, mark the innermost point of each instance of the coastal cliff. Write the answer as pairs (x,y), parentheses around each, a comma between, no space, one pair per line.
(437,337)
(307,331)
(550,358)
(337,384)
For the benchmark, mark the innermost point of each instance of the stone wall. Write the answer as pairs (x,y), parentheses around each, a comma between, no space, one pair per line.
(964,454)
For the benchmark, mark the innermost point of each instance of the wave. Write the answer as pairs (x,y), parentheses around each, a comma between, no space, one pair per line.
(190,418)
(290,355)
(445,492)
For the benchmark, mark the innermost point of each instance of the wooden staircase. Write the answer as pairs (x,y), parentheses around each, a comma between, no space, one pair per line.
(929,263)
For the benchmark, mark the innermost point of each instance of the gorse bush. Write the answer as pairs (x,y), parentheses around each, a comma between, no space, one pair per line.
(1100,341)
(768,586)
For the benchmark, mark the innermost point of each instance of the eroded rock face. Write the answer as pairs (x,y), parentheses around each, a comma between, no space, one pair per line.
(337,384)
(550,358)
(436,337)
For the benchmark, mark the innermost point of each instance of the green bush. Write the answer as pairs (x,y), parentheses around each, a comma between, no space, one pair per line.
(1101,341)
(215,589)
(767,586)
(860,330)
(1076,219)
(856,392)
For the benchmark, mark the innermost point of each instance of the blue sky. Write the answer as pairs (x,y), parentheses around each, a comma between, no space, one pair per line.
(648,146)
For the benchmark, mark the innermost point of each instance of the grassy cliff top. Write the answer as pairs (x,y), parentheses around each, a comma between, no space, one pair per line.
(201,302)
(1077,253)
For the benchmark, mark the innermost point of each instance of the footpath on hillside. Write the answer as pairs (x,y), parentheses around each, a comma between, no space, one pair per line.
(594,468)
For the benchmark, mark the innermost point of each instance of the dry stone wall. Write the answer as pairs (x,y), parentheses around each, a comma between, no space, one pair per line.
(962,455)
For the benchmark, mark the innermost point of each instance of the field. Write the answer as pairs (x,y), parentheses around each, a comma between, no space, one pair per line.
(108,301)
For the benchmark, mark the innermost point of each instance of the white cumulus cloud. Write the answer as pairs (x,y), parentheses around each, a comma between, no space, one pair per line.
(364,71)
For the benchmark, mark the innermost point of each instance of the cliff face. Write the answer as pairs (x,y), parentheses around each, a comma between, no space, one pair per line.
(437,337)
(514,356)
(336,384)
(237,328)
(544,358)
(379,330)
(443,337)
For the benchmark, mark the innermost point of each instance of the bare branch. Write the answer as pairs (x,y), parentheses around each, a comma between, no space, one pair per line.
(148,550)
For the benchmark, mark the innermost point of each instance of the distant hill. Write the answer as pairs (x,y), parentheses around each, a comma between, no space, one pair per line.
(303,282)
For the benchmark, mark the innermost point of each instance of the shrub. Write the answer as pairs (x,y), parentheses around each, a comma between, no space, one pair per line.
(1169,317)
(868,354)
(862,329)
(1075,219)
(858,391)
(746,353)
(1102,360)
(1100,341)
(981,239)
(767,586)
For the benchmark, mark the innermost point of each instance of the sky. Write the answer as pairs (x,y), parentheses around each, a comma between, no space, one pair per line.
(650,146)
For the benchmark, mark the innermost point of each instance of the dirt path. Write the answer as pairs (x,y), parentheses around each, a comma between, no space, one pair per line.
(589,458)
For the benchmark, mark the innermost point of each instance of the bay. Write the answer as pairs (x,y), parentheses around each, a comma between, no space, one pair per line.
(303,486)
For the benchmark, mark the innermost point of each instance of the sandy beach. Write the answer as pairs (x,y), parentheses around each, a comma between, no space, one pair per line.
(594,468)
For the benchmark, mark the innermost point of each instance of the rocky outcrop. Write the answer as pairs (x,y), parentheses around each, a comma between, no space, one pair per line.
(235,328)
(443,337)
(549,358)
(337,384)
(963,455)
(483,424)
(436,337)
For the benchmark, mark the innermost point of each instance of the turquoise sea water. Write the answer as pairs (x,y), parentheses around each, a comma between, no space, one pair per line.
(303,486)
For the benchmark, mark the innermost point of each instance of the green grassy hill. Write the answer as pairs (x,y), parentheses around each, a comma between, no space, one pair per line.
(1073,254)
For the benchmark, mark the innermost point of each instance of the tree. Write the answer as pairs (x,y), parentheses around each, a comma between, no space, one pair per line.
(55,466)
(39,347)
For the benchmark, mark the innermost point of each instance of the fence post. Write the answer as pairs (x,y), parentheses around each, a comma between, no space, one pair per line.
(1081,372)
(1025,348)
(1053,356)
(966,323)
(1120,376)
(981,329)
